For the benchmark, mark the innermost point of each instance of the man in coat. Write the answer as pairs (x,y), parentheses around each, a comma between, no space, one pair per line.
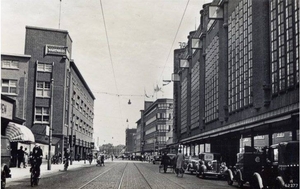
(20,154)
(179,161)
(165,161)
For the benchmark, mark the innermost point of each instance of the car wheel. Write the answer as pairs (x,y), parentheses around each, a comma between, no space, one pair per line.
(240,183)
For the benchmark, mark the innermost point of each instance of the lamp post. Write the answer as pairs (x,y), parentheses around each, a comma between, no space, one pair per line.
(50,125)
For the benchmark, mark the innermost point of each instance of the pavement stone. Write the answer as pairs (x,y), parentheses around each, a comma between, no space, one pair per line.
(21,173)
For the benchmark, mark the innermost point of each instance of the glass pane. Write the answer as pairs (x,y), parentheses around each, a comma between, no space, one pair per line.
(48,67)
(45,111)
(39,92)
(38,110)
(5,89)
(47,85)
(38,118)
(39,85)
(13,83)
(13,90)
(40,67)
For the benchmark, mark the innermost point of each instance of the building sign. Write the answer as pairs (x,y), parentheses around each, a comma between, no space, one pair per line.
(57,50)
(7,109)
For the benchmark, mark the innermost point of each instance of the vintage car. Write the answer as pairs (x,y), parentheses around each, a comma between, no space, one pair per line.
(155,159)
(192,164)
(276,166)
(210,165)
(5,160)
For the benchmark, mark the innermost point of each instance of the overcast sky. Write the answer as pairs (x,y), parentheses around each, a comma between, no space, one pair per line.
(140,35)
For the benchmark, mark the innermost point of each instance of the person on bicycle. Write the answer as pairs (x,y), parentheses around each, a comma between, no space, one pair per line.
(179,161)
(66,158)
(37,156)
(90,157)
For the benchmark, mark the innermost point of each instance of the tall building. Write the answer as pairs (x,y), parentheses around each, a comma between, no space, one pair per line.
(57,94)
(157,125)
(130,140)
(14,70)
(239,77)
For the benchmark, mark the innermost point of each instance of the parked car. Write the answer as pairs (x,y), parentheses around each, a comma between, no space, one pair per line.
(210,165)
(156,159)
(276,166)
(5,160)
(192,163)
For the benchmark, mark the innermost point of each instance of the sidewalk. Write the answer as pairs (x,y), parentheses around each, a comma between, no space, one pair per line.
(21,173)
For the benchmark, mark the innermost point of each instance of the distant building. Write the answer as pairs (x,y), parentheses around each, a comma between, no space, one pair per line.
(130,140)
(156,125)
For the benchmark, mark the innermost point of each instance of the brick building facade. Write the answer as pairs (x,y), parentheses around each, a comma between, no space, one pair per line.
(242,78)
(71,99)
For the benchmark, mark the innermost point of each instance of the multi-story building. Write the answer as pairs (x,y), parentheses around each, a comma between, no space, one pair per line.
(14,70)
(130,140)
(157,125)
(239,76)
(57,94)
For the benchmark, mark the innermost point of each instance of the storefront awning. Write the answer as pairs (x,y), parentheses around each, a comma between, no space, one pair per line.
(19,133)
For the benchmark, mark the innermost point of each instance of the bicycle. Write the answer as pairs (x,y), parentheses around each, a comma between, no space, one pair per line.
(34,176)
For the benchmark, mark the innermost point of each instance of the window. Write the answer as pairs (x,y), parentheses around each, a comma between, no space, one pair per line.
(43,89)
(10,64)
(195,95)
(183,102)
(240,68)
(42,114)
(284,45)
(9,86)
(44,67)
(163,128)
(211,80)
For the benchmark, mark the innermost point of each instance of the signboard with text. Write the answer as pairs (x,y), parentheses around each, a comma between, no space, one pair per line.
(57,50)
(7,109)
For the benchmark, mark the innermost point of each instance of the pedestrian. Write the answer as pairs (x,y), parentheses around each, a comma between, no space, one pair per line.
(59,158)
(179,162)
(165,161)
(37,155)
(78,157)
(20,155)
(112,157)
(25,158)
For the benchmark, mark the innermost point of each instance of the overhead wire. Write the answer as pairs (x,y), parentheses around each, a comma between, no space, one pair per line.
(111,61)
(175,38)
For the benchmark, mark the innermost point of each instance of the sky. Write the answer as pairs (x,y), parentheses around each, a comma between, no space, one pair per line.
(123,49)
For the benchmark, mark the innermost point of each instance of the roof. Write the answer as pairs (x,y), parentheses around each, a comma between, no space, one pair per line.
(73,65)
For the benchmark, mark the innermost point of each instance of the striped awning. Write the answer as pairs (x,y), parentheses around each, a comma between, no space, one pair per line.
(19,133)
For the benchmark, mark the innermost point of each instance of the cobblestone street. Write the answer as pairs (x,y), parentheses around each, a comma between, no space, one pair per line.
(121,174)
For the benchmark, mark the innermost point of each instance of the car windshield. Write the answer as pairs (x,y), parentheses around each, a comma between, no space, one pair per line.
(291,154)
(194,157)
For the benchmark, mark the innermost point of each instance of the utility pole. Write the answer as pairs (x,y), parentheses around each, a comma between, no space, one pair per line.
(50,129)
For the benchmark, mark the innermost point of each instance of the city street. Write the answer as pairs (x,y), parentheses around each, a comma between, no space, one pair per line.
(120,174)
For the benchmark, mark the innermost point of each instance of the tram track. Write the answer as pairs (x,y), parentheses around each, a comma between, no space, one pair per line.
(126,172)
(181,186)
(103,173)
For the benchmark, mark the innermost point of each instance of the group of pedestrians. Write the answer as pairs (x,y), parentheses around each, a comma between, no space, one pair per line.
(34,157)
(22,156)
(166,161)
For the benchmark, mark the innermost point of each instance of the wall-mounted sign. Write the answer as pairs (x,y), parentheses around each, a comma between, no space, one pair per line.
(57,50)
(7,109)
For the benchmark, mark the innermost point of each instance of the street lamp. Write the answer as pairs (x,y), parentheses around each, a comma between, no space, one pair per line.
(50,125)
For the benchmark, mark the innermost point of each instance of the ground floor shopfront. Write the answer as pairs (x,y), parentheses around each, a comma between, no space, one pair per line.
(232,139)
